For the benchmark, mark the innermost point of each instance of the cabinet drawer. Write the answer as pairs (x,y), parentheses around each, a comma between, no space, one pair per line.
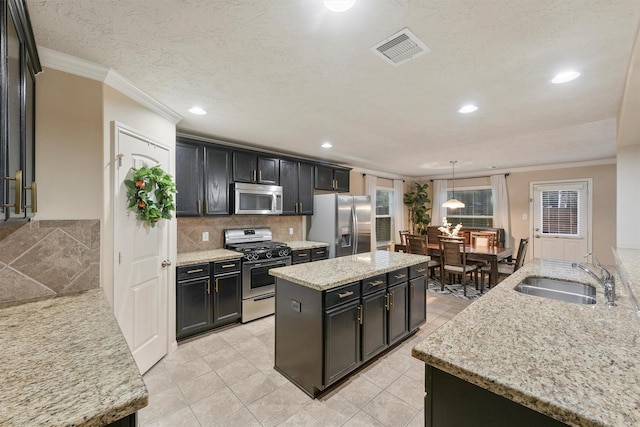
(398,276)
(373,284)
(341,295)
(227,266)
(188,272)
(417,270)
(303,255)
(319,253)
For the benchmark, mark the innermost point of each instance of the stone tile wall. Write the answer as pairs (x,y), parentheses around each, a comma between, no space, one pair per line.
(190,229)
(47,258)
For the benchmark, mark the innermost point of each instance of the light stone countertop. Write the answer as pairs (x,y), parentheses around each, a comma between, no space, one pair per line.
(579,364)
(188,258)
(64,361)
(298,245)
(628,265)
(331,273)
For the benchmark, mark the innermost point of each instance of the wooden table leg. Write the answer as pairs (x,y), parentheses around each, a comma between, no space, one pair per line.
(494,272)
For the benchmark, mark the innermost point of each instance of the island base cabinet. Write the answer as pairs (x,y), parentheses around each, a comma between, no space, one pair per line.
(128,421)
(398,313)
(374,324)
(453,402)
(417,305)
(342,341)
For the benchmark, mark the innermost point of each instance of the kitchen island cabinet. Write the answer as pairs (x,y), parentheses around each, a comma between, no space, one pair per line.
(511,356)
(334,315)
(66,363)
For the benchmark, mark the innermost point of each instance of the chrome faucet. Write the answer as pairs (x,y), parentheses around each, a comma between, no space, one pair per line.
(605,279)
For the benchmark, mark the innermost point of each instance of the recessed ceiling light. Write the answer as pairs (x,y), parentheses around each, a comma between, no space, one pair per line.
(199,111)
(339,5)
(469,108)
(326,145)
(566,76)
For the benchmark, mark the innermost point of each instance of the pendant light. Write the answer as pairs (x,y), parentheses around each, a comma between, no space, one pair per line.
(453,203)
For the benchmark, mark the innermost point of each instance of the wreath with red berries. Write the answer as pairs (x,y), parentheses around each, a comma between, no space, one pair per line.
(150,193)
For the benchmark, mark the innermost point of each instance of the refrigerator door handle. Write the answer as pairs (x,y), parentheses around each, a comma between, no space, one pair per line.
(354,220)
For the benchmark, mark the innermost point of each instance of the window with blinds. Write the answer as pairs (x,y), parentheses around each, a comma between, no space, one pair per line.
(560,212)
(478,207)
(384,224)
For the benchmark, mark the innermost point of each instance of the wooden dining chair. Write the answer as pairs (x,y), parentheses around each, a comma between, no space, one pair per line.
(483,238)
(417,244)
(453,260)
(506,268)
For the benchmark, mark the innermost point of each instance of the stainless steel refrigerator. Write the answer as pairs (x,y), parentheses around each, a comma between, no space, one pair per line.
(344,222)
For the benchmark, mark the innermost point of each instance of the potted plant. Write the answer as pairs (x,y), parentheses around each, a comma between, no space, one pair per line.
(416,200)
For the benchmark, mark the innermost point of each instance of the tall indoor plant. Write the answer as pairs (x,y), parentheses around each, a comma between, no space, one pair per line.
(416,200)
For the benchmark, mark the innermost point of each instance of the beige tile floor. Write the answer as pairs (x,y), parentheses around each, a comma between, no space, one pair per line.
(226,378)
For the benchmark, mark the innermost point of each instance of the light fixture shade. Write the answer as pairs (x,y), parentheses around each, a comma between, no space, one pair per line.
(453,204)
(339,5)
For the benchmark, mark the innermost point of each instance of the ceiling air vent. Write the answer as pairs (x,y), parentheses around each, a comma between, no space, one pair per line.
(400,48)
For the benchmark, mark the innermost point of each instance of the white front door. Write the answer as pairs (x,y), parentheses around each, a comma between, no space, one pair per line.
(140,279)
(561,224)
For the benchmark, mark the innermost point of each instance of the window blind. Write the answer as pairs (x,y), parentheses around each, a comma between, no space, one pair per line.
(560,212)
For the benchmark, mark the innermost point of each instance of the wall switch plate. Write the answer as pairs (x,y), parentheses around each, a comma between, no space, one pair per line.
(205,236)
(290,230)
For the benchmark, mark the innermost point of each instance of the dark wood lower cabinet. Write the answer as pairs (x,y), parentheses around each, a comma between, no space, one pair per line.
(227,298)
(128,421)
(342,341)
(323,336)
(193,307)
(452,402)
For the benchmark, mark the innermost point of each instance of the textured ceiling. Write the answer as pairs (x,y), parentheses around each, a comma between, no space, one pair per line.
(289,74)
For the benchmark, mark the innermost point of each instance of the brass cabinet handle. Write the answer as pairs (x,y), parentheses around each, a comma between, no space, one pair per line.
(228,265)
(296,208)
(259,175)
(217,285)
(320,252)
(413,291)
(345,294)
(386,301)
(303,254)
(300,206)
(393,299)
(360,314)
(376,283)
(208,287)
(399,276)
(198,270)
(254,175)
(17,205)
(421,270)
(34,196)
(199,206)
(206,207)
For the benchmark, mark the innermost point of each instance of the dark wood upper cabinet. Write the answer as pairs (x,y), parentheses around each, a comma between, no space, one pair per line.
(19,65)
(329,178)
(252,168)
(296,179)
(202,179)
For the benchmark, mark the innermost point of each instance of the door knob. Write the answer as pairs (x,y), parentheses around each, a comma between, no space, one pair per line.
(166,263)
(537,236)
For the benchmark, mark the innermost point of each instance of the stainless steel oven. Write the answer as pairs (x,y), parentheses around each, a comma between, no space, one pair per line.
(260,255)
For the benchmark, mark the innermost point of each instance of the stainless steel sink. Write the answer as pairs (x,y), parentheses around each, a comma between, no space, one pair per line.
(561,290)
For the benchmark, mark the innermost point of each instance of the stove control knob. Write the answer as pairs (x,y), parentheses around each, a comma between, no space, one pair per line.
(247,257)
(283,252)
(269,254)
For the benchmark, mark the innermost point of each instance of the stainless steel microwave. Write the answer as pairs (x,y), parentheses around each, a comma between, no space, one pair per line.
(257,199)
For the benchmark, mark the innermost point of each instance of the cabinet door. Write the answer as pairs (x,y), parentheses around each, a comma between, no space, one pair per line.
(216,181)
(374,324)
(342,179)
(305,189)
(323,178)
(226,298)
(268,170)
(398,312)
(342,341)
(289,182)
(193,307)
(188,179)
(245,167)
(417,302)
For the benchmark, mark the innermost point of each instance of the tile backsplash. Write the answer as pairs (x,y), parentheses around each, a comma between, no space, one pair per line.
(47,258)
(190,229)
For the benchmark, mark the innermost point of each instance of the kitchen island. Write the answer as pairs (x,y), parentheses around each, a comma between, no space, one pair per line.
(64,362)
(335,315)
(511,356)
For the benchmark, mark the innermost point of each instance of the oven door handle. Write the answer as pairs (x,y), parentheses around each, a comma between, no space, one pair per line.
(266,264)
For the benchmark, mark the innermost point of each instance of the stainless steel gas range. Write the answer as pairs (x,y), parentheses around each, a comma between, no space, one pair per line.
(260,255)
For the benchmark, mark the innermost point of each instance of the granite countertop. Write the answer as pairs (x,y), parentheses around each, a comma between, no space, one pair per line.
(628,264)
(298,245)
(64,361)
(188,258)
(579,364)
(331,273)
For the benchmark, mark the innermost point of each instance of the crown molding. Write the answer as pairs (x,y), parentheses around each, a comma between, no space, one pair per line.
(90,70)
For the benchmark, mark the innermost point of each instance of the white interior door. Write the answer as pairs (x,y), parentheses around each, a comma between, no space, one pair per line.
(140,279)
(561,220)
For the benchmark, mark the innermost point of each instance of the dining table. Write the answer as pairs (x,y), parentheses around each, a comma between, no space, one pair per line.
(491,254)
